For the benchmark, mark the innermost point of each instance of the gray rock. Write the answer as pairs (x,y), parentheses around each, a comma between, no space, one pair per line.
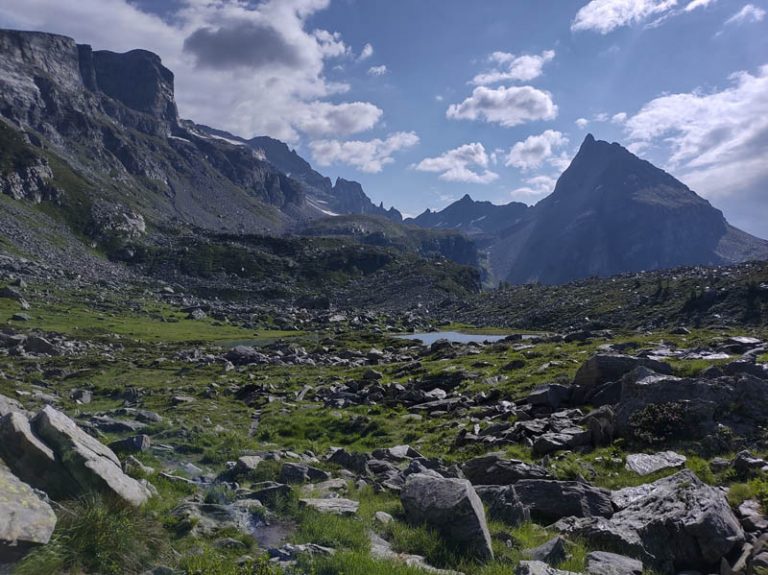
(35,344)
(92,464)
(450,506)
(352,461)
(604,563)
(300,473)
(604,368)
(134,444)
(26,521)
(332,505)
(549,501)
(677,521)
(539,568)
(551,552)
(7,405)
(381,549)
(493,469)
(645,464)
(33,461)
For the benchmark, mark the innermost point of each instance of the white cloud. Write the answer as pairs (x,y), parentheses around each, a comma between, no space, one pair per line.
(505,106)
(619,118)
(698,4)
(457,165)
(275,90)
(366,52)
(377,70)
(514,68)
(717,141)
(535,150)
(748,14)
(582,123)
(604,16)
(367,156)
(536,188)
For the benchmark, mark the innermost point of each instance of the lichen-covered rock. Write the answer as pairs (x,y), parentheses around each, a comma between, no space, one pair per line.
(492,469)
(26,521)
(452,507)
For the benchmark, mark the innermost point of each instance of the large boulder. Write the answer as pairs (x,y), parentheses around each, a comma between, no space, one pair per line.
(539,568)
(452,507)
(32,460)
(492,469)
(549,501)
(604,368)
(92,464)
(673,524)
(646,464)
(660,407)
(26,521)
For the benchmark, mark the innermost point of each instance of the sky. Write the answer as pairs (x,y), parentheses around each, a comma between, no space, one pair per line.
(423,101)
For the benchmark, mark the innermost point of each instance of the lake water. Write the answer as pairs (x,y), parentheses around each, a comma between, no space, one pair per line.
(429,338)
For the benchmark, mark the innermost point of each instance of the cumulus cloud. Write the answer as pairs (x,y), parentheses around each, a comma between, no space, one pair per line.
(377,70)
(619,118)
(368,156)
(513,68)
(582,123)
(717,141)
(698,4)
(505,106)
(365,53)
(534,189)
(250,68)
(604,16)
(748,14)
(461,165)
(535,150)
(224,47)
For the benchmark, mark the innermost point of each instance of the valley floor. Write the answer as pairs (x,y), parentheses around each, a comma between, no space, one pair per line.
(277,438)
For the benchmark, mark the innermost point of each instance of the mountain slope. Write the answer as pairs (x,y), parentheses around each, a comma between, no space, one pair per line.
(473,218)
(112,119)
(611,213)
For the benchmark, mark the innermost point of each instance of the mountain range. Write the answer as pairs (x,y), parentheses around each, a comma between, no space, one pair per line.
(96,137)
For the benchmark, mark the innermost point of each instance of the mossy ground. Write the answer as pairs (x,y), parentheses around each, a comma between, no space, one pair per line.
(145,336)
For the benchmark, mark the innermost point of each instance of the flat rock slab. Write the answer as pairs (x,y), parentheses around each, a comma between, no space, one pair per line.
(381,549)
(26,521)
(646,464)
(334,506)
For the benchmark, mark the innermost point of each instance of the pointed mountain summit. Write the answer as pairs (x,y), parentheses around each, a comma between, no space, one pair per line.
(612,212)
(472,217)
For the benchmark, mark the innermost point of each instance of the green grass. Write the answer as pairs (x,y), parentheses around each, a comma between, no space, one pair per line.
(98,535)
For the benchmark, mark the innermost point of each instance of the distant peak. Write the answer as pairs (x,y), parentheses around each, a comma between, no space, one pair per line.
(590,139)
(466,198)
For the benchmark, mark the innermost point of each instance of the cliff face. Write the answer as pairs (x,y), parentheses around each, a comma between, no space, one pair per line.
(112,118)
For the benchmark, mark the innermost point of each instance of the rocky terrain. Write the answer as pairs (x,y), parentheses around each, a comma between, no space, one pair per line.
(145,428)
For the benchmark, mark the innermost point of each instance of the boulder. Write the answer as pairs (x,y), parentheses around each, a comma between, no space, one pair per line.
(605,368)
(552,552)
(493,469)
(450,506)
(26,521)
(604,563)
(300,473)
(645,464)
(539,568)
(675,523)
(549,501)
(33,461)
(92,464)
(7,405)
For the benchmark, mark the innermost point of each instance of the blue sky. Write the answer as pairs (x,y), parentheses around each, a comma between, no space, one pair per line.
(424,101)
